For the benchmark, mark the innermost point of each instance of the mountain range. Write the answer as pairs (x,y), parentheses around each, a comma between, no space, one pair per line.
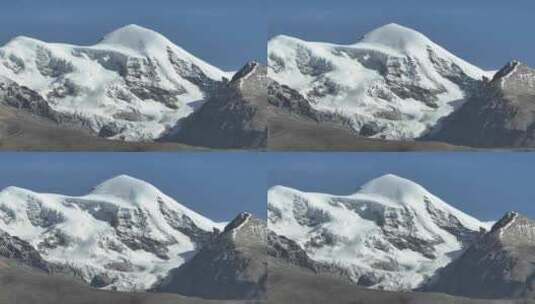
(394,89)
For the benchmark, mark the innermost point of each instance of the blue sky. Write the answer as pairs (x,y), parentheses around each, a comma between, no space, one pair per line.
(216,185)
(487,33)
(224,33)
(220,185)
(485,185)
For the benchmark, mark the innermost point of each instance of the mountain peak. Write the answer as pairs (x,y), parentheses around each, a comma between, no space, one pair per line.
(514,229)
(127,188)
(391,186)
(517,70)
(238,221)
(24,41)
(246,229)
(12,247)
(135,37)
(505,220)
(397,37)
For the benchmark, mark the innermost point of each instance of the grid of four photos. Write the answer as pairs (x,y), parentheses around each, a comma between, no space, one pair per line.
(252,151)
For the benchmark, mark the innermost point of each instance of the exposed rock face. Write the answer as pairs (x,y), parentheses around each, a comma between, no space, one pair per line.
(233,266)
(284,97)
(285,250)
(289,251)
(102,280)
(499,114)
(27,257)
(14,248)
(293,103)
(234,116)
(499,265)
(22,97)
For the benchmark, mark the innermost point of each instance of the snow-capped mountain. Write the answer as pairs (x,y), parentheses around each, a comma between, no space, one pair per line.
(395,83)
(125,234)
(134,84)
(392,234)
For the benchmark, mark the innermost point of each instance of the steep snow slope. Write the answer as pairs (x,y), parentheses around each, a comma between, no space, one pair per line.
(125,234)
(395,83)
(392,234)
(133,85)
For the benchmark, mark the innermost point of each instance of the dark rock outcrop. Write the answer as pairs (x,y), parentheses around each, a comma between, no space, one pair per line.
(21,97)
(27,257)
(12,247)
(501,113)
(233,116)
(233,266)
(289,101)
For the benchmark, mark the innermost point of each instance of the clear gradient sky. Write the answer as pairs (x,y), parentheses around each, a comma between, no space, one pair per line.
(488,33)
(217,185)
(485,185)
(224,33)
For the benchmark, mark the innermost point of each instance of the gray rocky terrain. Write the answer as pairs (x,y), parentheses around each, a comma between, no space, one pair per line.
(233,266)
(499,114)
(233,117)
(500,265)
